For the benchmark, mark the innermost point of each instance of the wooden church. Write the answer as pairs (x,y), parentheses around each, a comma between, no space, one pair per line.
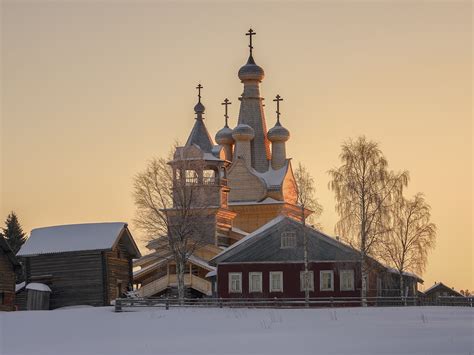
(247,178)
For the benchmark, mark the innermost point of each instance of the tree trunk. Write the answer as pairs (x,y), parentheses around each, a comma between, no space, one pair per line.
(401,287)
(305,248)
(180,266)
(363,266)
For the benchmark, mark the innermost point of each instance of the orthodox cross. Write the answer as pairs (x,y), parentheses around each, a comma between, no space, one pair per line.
(226,103)
(251,33)
(199,87)
(277,100)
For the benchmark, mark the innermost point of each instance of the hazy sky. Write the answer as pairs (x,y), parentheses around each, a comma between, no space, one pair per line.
(93,89)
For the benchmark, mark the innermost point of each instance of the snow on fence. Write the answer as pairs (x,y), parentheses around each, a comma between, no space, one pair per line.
(120,303)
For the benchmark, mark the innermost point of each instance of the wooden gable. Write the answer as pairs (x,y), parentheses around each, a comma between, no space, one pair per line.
(266,245)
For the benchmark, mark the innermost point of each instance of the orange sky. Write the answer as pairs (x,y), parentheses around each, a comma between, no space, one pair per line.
(91,90)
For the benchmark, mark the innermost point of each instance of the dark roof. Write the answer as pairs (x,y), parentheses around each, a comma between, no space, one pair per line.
(5,247)
(200,137)
(264,245)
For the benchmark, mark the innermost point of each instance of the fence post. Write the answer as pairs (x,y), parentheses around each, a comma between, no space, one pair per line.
(167,304)
(118,305)
(220,302)
(332,301)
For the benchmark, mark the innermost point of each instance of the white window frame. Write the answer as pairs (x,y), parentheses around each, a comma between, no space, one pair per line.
(341,284)
(310,279)
(321,273)
(285,238)
(250,281)
(239,274)
(280,273)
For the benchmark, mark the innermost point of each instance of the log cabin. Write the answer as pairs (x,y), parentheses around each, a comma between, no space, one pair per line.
(269,263)
(8,267)
(439,289)
(83,264)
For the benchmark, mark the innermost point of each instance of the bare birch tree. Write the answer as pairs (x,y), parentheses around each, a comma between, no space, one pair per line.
(170,204)
(412,235)
(308,203)
(365,190)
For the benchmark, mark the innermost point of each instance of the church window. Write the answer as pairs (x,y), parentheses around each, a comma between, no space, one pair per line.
(288,240)
(276,281)
(347,280)
(235,282)
(310,281)
(326,278)
(255,282)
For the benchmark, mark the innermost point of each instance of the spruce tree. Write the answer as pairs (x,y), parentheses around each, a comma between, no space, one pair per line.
(13,232)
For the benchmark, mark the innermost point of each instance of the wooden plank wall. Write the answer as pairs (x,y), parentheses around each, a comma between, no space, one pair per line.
(7,283)
(75,278)
(119,271)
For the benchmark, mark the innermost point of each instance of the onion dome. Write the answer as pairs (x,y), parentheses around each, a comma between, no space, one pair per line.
(224,136)
(199,108)
(243,132)
(278,133)
(251,71)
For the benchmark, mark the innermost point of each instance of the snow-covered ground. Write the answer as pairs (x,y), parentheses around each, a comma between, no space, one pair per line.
(411,330)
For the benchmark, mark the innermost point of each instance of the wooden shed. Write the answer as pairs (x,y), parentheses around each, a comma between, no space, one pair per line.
(37,297)
(83,264)
(8,266)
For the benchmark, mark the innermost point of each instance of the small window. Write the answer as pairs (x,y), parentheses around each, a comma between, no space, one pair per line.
(235,282)
(255,282)
(346,282)
(276,281)
(191,177)
(310,281)
(326,280)
(288,240)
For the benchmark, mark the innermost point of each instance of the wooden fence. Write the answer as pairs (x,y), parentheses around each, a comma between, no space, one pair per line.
(166,303)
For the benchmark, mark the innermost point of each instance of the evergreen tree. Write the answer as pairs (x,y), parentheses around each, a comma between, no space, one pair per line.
(13,232)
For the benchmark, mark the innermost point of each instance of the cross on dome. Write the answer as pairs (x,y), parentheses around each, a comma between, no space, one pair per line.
(199,87)
(226,103)
(277,99)
(251,33)
(199,108)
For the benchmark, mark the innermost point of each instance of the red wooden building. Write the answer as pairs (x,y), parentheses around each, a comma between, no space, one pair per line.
(269,263)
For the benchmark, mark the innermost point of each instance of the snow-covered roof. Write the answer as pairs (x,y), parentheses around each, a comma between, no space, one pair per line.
(20,286)
(405,273)
(201,262)
(273,178)
(239,231)
(211,273)
(440,284)
(150,267)
(38,287)
(74,237)
(267,201)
